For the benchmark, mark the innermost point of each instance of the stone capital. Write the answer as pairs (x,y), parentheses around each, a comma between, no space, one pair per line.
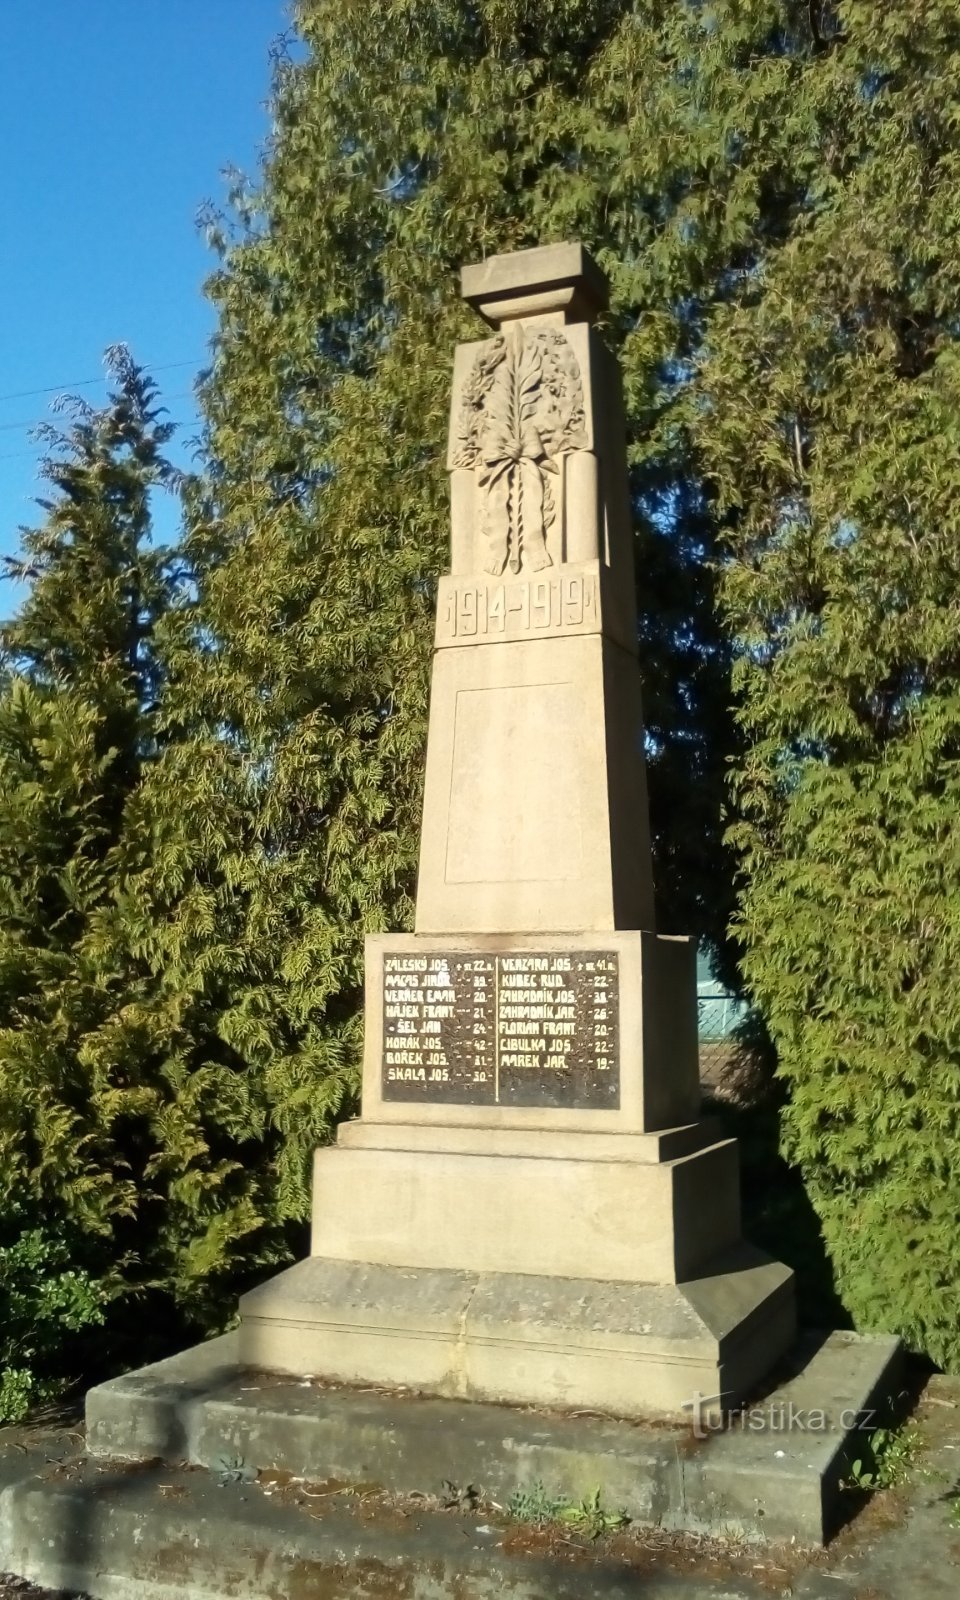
(559,281)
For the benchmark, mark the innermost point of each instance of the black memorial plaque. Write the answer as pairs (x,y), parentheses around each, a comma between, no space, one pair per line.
(558,1030)
(439,1028)
(530,1029)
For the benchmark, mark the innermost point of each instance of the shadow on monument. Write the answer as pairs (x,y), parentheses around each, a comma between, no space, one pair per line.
(87,1543)
(777,1214)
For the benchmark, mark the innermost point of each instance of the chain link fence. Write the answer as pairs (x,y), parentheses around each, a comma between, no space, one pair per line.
(717,1016)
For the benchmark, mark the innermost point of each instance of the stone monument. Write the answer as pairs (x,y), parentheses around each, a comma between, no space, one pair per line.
(529,1208)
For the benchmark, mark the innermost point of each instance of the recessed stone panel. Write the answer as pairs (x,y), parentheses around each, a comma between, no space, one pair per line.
(507,739)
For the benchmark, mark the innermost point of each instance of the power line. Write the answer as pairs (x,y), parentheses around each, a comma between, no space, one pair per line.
(84,383)
(34,422)
(21,455)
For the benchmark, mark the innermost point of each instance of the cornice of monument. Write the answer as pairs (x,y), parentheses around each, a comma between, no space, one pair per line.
(560,281)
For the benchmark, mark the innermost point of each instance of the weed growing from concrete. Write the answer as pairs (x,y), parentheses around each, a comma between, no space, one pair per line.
(588,1517)
(892,1458)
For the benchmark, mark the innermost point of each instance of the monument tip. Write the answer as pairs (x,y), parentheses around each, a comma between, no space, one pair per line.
(561,281)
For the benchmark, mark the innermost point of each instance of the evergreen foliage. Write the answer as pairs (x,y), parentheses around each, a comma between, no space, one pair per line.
(771,187)
(210,772)
(829,391)
(118,1142)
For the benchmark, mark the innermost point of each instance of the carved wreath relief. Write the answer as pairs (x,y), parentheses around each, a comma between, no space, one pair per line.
(521,408)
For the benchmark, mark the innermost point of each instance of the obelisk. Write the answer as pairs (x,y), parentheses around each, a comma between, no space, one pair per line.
(529,1208)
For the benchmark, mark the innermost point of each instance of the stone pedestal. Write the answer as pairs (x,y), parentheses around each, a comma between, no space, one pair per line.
(529,1208)
(633,1349)
(520,1215)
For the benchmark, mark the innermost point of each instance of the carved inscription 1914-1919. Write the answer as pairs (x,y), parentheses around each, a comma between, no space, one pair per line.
(534,1029)
(475,611)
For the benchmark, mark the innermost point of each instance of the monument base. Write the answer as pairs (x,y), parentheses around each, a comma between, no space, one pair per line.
(536,1266)
(519,1201)
(633,1349)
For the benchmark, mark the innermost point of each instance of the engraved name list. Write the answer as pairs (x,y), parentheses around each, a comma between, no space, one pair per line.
(530,1029)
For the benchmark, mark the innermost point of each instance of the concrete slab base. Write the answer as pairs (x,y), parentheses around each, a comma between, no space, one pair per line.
(175,1535)
(629,1348)
(774,1473)
(151,1531)
(169,1534)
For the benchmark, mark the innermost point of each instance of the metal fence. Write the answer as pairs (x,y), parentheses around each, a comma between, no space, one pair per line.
(718,1013)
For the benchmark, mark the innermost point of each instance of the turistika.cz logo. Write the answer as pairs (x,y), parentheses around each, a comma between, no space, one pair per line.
(708,1415)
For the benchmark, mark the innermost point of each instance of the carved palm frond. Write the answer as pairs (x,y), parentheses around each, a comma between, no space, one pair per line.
(521,407)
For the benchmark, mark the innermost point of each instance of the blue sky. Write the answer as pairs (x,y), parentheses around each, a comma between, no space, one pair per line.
(116,119)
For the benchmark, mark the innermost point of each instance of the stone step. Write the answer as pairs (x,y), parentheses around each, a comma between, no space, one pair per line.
(152,1532)
(627,1349)
(201,1407)
(774,1474)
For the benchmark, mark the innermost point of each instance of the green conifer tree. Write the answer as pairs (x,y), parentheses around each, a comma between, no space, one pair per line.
(828,427)
(76,709)
(118,1134)
(771,185)
(408,139)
